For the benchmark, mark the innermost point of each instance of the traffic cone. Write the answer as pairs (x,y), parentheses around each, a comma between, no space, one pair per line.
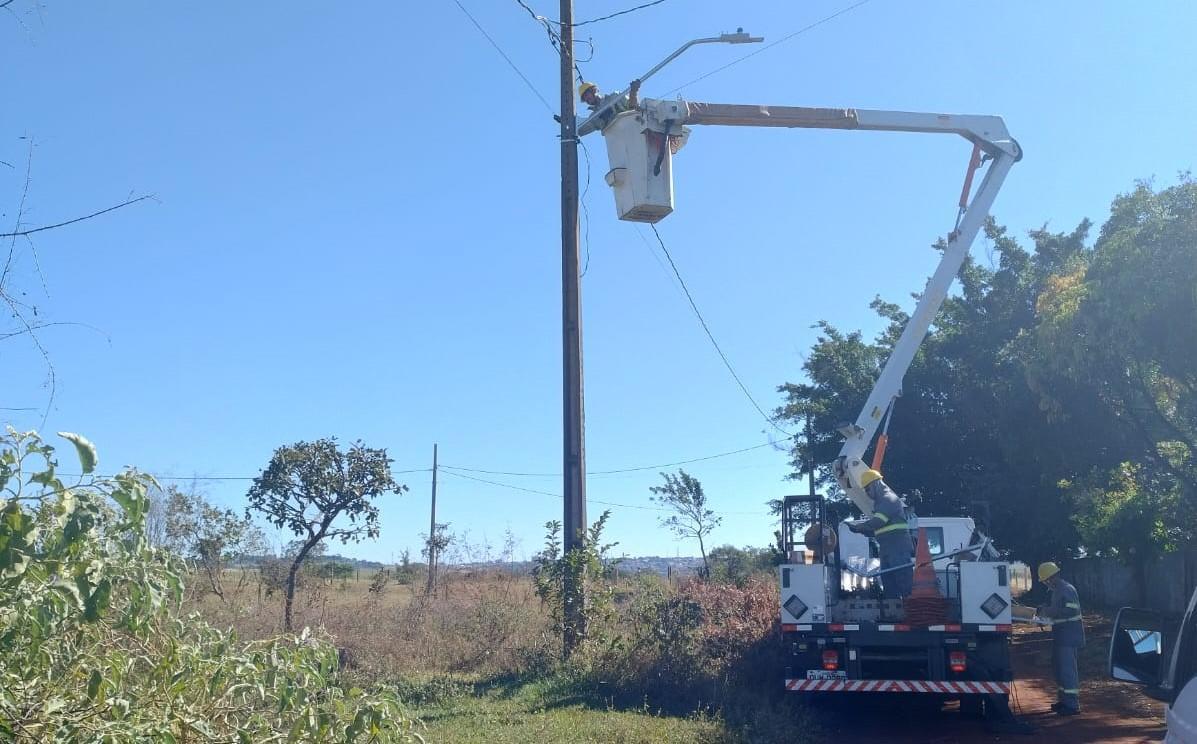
(925,584)
(926,605)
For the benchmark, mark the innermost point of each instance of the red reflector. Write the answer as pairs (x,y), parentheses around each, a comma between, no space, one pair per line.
(952,628)
(1004,628)
(836,628)
(956,661)
(789,627)
(831,660)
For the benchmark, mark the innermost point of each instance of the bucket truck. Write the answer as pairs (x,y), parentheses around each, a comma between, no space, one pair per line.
(840,635)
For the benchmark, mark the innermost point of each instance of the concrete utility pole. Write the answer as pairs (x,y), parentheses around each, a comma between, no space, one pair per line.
(432,531)
(573,424)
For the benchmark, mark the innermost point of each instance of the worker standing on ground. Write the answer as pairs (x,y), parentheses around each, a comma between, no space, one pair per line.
(1068,635)
(620,102)
(887,526)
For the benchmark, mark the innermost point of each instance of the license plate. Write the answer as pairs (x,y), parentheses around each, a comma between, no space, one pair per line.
(824,674)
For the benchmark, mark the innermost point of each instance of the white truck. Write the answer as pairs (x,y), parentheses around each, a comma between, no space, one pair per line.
(841,637)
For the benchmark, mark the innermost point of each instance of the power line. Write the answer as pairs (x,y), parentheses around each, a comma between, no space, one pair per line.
(619,13)
(589,500)
(554,37)
(619,470)
(711,336)
(782,40)
(499,49)
(608,17)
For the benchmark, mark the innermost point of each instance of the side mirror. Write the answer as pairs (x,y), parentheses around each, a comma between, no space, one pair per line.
(1139,647)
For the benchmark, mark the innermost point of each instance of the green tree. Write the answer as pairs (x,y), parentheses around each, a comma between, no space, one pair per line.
(968,427)
(319,492)
(1120,327)
(732,565)
(691,517)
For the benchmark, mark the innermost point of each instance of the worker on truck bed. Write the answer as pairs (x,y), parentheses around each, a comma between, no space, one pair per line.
(1068,635)
(888,527)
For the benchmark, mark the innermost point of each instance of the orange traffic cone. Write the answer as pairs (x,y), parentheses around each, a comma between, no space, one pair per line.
(925,584)
(926,604)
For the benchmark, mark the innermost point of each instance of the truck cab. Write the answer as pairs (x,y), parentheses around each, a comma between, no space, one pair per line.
(1148,648)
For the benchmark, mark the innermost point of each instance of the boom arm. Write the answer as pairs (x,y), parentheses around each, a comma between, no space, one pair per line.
(986,132)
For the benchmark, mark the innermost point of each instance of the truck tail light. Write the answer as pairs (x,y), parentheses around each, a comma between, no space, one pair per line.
(956,661)
(831,660)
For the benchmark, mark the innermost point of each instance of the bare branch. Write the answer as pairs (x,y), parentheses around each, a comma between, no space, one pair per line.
(23,233)
(38,326)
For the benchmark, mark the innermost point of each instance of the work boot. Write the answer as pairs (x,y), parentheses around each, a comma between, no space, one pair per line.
(1063,710)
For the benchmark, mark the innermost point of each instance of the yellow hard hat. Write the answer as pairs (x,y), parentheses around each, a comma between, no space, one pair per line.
(1048,570)
(585,87)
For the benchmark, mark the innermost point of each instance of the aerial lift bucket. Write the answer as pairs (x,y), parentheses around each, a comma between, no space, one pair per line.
(641,171)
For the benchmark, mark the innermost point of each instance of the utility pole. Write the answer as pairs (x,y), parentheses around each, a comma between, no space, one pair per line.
(432,536)
(573,424)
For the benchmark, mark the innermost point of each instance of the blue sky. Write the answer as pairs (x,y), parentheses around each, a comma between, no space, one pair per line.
(355,230)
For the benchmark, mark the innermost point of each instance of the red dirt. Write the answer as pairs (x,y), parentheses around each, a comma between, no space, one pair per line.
(1112,711)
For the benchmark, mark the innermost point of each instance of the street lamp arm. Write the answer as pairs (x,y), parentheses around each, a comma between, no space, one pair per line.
(739,37)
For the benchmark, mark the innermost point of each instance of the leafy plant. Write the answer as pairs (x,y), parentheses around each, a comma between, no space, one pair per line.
(93,648)
(590,562)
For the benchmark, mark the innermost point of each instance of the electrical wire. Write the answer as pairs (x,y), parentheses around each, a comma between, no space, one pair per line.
(503,54)
(585,209)
(726,362)
(588,500)
(619,470)
(608,17)
(554,37)
(782,40)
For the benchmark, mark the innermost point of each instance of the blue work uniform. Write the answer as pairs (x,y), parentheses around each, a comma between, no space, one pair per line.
(888,527)
(1068,635)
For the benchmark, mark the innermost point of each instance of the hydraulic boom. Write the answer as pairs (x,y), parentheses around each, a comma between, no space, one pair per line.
(992,142)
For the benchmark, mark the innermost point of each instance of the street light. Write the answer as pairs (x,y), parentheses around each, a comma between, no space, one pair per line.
(739,37)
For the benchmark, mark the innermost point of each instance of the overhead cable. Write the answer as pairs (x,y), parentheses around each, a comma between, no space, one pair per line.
(588,499)
(554,37)
(727,363)
(782,40)
(503,54)
(607,17)
(619,470)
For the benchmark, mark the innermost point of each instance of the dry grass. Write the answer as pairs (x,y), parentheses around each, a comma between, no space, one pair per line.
(479,660)
(481,623)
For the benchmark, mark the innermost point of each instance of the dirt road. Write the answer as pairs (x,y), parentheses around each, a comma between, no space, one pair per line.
(1112,712)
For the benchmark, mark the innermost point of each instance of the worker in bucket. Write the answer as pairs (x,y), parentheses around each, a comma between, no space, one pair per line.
(1068,635)
(887,526)
(618,103)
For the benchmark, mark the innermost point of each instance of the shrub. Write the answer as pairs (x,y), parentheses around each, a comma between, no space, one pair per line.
(92,646)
